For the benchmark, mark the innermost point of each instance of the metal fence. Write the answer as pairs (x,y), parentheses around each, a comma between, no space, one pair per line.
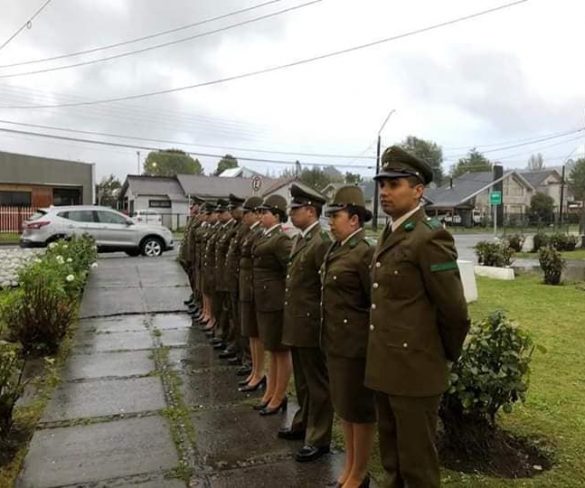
(11,218)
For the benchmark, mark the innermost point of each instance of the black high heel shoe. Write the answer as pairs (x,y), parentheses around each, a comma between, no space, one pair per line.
(261,405)
(273,411)
(247,388)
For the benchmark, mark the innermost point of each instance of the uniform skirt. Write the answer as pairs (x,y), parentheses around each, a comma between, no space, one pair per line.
(352,401)
(248,320)
(270,330)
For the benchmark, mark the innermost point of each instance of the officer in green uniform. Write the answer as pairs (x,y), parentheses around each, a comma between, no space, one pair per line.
(194,223)
(185,248)
(418,322)
(234,349)
(199,248)
(208,269)
(302,320)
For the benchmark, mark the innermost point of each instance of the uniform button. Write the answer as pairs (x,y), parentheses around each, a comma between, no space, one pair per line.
(335,277)
(378,264)
(345,321)
(373,306)
(287,276)
(286,289)
(371,326)
(395,271)
(308,314)
(286,303)
(405,345)
(375,285)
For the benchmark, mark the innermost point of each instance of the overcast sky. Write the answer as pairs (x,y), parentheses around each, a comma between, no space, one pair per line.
(490,82)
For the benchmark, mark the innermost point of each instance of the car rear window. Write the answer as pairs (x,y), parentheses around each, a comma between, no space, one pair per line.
(78,215)
(37,215)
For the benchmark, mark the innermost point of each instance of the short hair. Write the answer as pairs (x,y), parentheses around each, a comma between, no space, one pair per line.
(359,211)
(280,213)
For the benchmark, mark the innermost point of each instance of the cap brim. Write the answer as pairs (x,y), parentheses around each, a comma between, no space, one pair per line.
(332,210)
(298,205)
(391,174)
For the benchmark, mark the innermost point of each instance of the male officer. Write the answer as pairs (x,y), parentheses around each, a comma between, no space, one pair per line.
(418,322)
(301,328)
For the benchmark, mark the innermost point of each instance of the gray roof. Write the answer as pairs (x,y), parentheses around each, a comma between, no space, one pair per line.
(463,188)
(154,185)
(211,187)
(537,177)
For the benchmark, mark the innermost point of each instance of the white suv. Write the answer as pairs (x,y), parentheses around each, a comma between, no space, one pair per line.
(112,230)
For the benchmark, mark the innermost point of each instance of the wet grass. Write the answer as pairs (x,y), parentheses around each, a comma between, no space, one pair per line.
(576,255)
(555,406)
(9,237)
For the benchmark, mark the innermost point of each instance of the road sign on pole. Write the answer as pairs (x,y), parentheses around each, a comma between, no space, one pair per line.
(496,198)
(256,183)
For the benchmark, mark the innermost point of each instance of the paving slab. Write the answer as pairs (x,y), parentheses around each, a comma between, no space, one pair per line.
(165,299)
(121,323)
(90,453)
(231,438)
(115,341)
(193,358)
(175,337)
(171,321)
(112,301)
(108,364)
(211,388)
(154,274)
(105,397)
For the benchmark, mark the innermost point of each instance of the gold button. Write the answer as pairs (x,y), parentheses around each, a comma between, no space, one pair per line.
(286,303)
(308,314)
(371,326)
(345,321)
(405,345)
(375,285)
(395,271)
(334,277)
(373,306)
(378,264)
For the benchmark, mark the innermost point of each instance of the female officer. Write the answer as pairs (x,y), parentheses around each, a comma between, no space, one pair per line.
(271,254)
(345,316)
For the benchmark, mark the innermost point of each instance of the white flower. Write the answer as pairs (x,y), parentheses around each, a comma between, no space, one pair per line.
(52,245)
(60,259)
(94,265)
(69,260)
(37,260)
(65,246)
(70,278)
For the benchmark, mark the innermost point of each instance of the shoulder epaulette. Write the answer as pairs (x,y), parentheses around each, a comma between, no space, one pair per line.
(433,223)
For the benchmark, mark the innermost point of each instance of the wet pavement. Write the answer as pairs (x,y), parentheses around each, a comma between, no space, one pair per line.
(145,402)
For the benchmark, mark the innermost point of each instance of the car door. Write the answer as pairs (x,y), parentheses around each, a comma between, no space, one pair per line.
(115,229)
(79,222)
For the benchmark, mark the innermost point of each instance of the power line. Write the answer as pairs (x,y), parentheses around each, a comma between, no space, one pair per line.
(26,25)
(147,139)
(278,67)
(164,44)
(143,38)
(152,148)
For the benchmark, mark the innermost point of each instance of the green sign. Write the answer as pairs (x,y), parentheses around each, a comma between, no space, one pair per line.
(496,198)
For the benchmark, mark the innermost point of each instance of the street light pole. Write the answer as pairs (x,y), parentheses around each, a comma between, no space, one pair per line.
(138,160)
(375,212)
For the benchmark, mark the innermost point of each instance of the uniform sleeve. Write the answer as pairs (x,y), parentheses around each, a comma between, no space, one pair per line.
(364,272)
(321,252)
(282,250)
(442,279)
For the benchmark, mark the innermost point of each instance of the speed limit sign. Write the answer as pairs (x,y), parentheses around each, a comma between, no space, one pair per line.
(256,183)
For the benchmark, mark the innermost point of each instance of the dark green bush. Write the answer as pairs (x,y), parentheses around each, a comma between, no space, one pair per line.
(540,240)
(497,254)
(515,241)
(490,376)
(563,242)
(552,264)
(11,384)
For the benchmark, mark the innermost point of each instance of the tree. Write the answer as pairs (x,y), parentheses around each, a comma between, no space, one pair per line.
(227,162)
(171,162)
(542,207)
(106,191)
(577,187)
(428,151)
(474,162)
(353,178)
(315,177)
(535,162)
(334,175)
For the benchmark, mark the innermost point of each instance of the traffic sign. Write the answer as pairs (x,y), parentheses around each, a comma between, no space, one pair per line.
(496,198)
(256,183)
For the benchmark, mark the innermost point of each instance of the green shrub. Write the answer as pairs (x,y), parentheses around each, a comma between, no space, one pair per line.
(498,254)
(516,241)
(540,240)
(11,384)
(491,375)
(552,264)
(563,242)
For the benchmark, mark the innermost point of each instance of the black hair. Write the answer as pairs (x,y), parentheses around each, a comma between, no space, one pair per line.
(359,211)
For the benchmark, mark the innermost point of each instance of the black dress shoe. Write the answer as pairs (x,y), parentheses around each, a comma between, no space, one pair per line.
(273,411)
(189,300)
(248,387)
(227,355)
(244,371)
(291,435)
(261,405)
(215,340)
(310,453)
(220,346)
(235,361)
(242,383)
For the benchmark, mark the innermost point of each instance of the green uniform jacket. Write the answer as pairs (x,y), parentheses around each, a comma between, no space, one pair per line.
(418,317)
(209,255)
(346,297)
(200,242)
(232,258)
(246,277)
(183,250)
(191,241)
(270,253)
(302,314)
(222,245)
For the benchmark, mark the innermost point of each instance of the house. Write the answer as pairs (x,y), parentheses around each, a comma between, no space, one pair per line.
(32,181)
(214,187)
(240,172)
(468,197)
(549,181)
(282,187)
(163,194)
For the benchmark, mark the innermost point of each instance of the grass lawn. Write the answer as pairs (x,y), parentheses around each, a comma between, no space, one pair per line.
(576,255)
(555,407)
(9,237)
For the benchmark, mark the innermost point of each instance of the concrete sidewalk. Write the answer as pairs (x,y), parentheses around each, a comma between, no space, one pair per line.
(144,401)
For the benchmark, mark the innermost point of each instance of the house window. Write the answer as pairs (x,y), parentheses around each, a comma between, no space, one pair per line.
(159,203)
(15,198)
(66,196)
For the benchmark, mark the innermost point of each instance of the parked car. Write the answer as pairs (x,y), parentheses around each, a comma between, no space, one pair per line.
(147,216)
(112,230)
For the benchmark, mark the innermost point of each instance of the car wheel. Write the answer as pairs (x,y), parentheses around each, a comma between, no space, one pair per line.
(151,247)
(133,253)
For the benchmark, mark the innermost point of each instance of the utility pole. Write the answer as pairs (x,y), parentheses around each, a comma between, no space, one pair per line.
(138,160)
(375,212)
(562,196)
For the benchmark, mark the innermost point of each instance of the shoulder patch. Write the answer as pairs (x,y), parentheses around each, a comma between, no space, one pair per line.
(325,236)
(448,266)
(409,226)
(433,223)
